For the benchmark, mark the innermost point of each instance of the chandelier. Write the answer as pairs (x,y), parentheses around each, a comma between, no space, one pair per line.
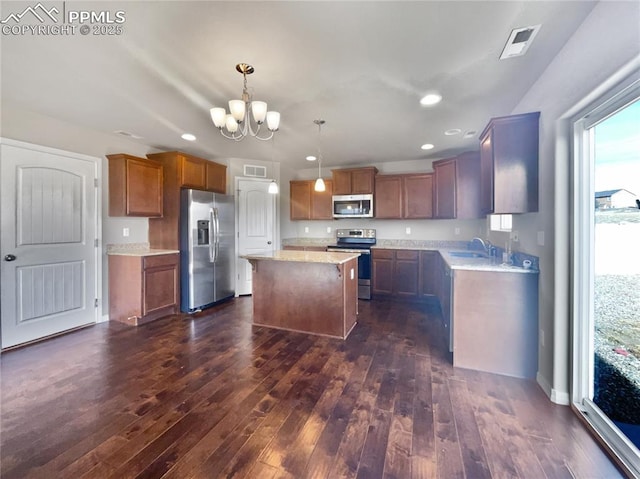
(234,122)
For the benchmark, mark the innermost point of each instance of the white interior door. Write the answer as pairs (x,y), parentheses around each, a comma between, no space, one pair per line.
(256,226)
(48,243)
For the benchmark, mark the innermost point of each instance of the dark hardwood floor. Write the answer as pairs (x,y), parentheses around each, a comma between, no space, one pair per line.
(212,396)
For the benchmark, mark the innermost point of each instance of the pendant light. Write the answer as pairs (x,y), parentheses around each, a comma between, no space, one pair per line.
(273,186)
(319,185)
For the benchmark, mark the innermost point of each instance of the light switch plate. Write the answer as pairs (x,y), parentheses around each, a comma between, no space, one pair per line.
(540,238)
(306,229)
(125,232)
(408,230)
(456,231)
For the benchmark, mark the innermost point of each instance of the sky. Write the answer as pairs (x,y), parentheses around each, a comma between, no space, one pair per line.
(617,156)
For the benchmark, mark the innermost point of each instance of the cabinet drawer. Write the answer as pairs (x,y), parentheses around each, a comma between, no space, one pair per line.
(382,253)
(160,260)
(406,254)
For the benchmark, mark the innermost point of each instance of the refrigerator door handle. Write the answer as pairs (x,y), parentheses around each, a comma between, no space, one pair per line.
(212,235)
(217,236)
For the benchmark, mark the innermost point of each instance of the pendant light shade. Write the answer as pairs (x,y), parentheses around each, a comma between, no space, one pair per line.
(273,187)
(319,184)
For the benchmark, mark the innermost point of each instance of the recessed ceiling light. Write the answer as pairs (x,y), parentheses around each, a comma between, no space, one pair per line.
(430,99)
(188,137)
(311,158)
(470,134)
(427,146)
(453,131)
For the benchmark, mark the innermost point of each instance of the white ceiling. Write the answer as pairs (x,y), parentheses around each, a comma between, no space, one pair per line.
(361,66)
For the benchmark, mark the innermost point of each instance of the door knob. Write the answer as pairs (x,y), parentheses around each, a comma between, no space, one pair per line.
(268,242)
(9,257)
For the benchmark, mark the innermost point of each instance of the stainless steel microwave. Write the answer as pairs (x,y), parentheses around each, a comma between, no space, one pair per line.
(353,206)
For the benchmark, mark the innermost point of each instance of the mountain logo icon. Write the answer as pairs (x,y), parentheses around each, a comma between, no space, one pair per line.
(39,11)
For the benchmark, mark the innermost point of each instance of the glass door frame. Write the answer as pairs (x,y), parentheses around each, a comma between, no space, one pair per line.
(582,240)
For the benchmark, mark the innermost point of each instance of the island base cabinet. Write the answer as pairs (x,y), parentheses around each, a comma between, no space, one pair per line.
(495,322)
(143,288)
(316,298)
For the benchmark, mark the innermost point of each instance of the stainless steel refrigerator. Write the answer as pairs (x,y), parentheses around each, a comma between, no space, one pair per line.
(207,249)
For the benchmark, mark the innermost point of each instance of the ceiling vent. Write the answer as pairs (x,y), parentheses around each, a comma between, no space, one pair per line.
(519,41)
(255,171)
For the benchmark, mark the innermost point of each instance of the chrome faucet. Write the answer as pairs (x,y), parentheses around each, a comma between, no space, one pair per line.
(486,245)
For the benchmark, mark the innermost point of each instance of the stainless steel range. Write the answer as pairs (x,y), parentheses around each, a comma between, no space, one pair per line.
(358,241)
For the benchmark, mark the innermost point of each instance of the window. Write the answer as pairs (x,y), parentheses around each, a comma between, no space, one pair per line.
(500,222)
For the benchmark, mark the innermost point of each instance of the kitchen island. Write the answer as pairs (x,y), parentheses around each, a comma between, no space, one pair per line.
(307,291)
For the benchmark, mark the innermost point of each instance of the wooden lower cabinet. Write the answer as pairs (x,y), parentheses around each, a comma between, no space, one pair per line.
(429,274)
(382,268)
(143,288)
(395,273)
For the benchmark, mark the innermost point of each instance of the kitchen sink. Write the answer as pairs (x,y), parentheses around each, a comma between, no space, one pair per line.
(467,254)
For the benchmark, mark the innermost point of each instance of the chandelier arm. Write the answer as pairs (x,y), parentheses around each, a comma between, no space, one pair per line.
(264,138)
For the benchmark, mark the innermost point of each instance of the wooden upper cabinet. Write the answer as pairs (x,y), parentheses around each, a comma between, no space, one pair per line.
(216,177)
(135,186)
(300,199)
(321,202)
(388,197)
(354,181)
(456,190)
(194,172)
(418,196)
(444,172)
(404,196)
(509,164)
(308,204)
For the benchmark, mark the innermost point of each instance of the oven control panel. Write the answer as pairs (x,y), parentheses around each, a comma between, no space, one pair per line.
(356,233)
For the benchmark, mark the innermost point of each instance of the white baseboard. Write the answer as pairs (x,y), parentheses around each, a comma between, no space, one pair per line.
(558,397)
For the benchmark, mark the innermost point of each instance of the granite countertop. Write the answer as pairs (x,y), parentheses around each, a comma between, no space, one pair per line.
(469,264)
(304,256)
(137,249)
(444,247)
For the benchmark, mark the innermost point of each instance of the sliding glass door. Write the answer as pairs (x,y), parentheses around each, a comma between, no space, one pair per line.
(606,273)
